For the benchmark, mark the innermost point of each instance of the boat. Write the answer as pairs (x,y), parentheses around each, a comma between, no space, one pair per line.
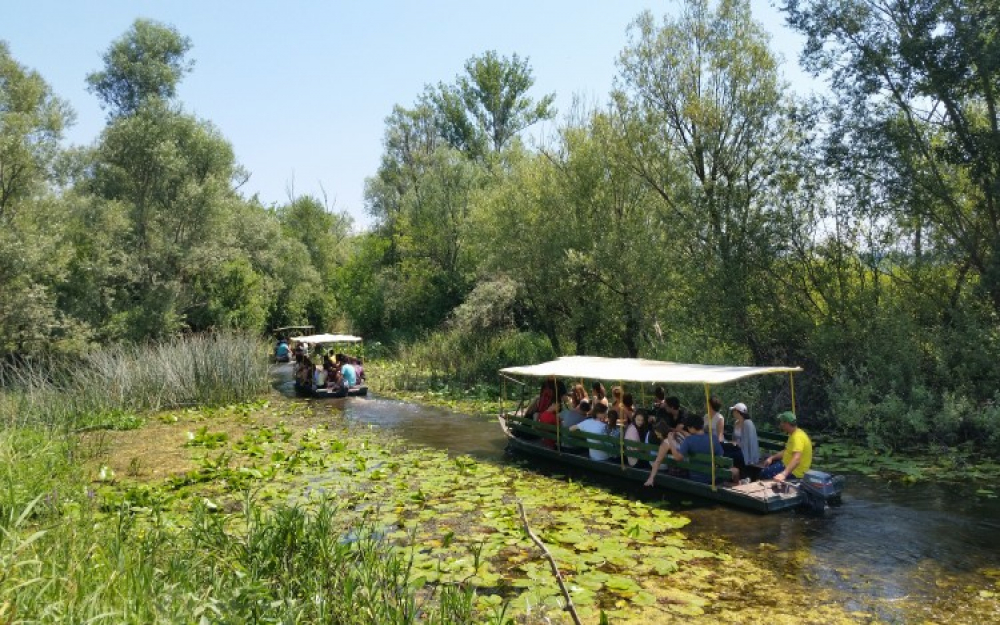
(281,334)
(815,492)
(322,340)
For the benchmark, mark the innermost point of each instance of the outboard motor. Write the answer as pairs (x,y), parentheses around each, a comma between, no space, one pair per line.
(819,489)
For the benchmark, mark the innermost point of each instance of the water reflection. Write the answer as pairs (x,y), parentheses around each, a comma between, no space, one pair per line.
(886,542)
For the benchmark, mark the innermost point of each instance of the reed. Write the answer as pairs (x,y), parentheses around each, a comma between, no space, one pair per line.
(107,388)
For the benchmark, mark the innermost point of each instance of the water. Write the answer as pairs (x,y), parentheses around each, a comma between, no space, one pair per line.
(886,542)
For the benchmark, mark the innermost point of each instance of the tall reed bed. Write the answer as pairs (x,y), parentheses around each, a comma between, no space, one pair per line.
(107,386)
(286,565)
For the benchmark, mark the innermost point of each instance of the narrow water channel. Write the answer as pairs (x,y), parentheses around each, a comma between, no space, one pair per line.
(886,542)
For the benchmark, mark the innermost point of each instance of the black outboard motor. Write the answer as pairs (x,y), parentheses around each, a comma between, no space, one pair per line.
(819,489)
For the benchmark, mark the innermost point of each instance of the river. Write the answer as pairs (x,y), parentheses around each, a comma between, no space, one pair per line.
(887,541)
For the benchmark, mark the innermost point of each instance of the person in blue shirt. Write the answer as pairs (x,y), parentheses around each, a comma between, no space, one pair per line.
(348,371)
(281,350)
(696,442)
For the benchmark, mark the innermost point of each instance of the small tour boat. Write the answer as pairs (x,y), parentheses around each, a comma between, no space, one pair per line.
(815,491)
(317,344)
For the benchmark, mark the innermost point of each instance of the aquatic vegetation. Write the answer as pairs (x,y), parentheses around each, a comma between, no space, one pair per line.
(942,464)
(296,514)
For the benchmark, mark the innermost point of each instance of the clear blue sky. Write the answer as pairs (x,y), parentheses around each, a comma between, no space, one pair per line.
(302,88)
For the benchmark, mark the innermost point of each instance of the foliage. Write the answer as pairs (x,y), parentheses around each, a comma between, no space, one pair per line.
(488,105)
(146,63)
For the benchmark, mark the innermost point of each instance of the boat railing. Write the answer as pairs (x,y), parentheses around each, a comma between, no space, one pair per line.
(617,447)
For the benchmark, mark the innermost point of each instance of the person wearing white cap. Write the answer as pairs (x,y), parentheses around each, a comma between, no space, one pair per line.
(745,449)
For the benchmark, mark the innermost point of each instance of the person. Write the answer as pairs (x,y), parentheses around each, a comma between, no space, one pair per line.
(596,424)
(745,449)
(797,452)
(348,371)
(549,417)
(637,431)
(304,374)
(616,398)
(282,353)
(661,431)
(575,413)
(359,368)
(676,417)
(659,397)
(628,407)
(546,396)
(697,442)
(600,397)
(578,394)
(718,422)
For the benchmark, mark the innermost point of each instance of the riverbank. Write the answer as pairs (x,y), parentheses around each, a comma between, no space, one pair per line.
(450,521)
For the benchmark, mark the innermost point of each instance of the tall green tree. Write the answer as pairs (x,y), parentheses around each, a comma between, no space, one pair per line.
(489,105)
(32,120)
(700,106)
(918,87)
(32,250)
(148,61)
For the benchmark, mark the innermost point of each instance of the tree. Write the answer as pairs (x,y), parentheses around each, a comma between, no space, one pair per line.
(700,106)
(918,85)
(31,123)
(146,62)
(489,106)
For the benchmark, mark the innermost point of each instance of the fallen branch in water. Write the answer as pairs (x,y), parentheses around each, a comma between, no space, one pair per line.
(552,562)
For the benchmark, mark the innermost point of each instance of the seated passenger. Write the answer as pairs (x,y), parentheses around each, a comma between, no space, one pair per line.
(596,424)
(638,431)
(549,417)
(359,367)
(696,443)
(350,374)
(599,399)
(677,418)
(661,432)
(578,394)
(627,409)
(546,395)
(282,353)
(574,414)
(659,397)
(744,450)
(718,422)
(797,452)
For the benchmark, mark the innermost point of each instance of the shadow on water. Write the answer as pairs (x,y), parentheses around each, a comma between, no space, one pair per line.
(886,542)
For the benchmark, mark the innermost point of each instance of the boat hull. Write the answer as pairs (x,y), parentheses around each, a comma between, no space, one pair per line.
(756,496)
(322,393)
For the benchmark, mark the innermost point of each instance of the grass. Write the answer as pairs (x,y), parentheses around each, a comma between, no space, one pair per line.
(113,386)
(84,540)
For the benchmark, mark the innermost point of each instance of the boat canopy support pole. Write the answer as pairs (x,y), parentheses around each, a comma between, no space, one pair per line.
(621,428)
(791,385)
(711,436)
(558,401)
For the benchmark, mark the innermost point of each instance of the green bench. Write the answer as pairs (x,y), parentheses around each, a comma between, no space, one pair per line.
(618,447)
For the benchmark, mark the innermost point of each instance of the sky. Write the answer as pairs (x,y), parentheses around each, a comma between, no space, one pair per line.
(301,89)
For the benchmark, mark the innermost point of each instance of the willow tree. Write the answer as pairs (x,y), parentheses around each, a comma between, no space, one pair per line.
(700,105)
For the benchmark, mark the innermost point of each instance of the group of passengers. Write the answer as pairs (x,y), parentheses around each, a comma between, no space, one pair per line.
(677,432)
(337,373)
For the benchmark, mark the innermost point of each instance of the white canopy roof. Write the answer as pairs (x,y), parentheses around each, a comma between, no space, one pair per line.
(327,338)
(641,370)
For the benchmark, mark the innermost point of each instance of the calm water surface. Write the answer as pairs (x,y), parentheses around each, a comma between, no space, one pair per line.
(885,542)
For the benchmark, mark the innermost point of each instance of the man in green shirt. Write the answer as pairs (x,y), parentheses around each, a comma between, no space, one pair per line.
(798,452)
